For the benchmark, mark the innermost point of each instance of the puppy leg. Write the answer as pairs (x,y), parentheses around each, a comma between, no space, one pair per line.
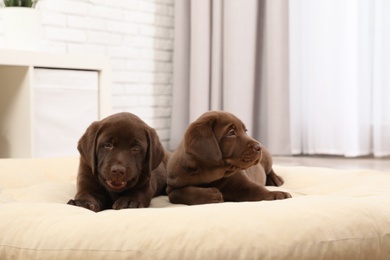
(254,193)
(134,199)
(88,202)
(90,194)
(276,195)
(91,197)
(273,179)
(239,188)
(192,195)
(125,202)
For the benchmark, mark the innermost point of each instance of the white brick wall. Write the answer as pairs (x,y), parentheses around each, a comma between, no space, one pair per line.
(138,37)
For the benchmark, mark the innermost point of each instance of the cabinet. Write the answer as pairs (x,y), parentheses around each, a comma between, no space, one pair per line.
(48,100)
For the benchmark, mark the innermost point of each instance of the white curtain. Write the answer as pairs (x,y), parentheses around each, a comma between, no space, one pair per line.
(232,55)
(306,77)
(340,77)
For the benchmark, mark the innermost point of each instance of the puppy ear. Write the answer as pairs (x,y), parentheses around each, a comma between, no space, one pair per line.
(87,146)
(155,153)
(200,141)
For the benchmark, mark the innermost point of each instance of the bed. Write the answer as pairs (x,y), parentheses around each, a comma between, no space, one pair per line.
(334,214)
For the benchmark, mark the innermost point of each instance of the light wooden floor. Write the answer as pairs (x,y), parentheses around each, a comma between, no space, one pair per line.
(379,164)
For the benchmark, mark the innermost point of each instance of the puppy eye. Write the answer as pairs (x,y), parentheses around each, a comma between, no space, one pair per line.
(108,146)
(232,132)
(135,149)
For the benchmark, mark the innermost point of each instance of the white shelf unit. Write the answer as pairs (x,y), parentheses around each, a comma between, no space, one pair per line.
(23,75)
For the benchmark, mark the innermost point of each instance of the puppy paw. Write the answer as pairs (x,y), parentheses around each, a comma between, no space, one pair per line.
(213,195)
(204,196)
(128,202)
(277,195)
(273,179)
(192,195)
(85,204)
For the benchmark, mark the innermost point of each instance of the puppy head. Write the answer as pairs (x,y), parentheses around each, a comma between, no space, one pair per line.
(220,137)
(121,150)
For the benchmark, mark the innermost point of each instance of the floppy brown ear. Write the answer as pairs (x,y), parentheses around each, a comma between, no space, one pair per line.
(155,153)
(87,146)
(200,141)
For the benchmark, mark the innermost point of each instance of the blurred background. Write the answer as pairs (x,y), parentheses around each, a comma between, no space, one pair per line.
(306,77)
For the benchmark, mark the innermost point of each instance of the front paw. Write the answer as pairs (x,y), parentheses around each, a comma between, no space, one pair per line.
(212,195)
(85,204)
(277,195)
(128,202)
(192,195)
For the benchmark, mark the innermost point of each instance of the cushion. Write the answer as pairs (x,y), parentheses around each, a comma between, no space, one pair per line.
(334,214)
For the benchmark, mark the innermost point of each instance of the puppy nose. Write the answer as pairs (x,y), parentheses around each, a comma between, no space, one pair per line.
(257,147)
(118,170)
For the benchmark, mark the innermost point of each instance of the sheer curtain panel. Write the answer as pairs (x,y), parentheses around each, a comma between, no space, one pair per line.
(339,77)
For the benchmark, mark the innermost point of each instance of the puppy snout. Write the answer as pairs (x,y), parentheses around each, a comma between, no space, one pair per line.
(118,170)
(257,147)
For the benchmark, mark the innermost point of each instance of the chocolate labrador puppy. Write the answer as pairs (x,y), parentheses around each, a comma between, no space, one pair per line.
(217,161)
(122,164)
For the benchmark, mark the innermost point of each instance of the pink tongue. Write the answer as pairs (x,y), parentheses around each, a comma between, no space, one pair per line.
(117,183)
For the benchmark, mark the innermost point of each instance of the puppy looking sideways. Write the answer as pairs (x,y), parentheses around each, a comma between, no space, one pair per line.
(217,161)
(122,164)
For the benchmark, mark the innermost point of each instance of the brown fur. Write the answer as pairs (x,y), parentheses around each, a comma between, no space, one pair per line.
(217,161)
(122,164)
